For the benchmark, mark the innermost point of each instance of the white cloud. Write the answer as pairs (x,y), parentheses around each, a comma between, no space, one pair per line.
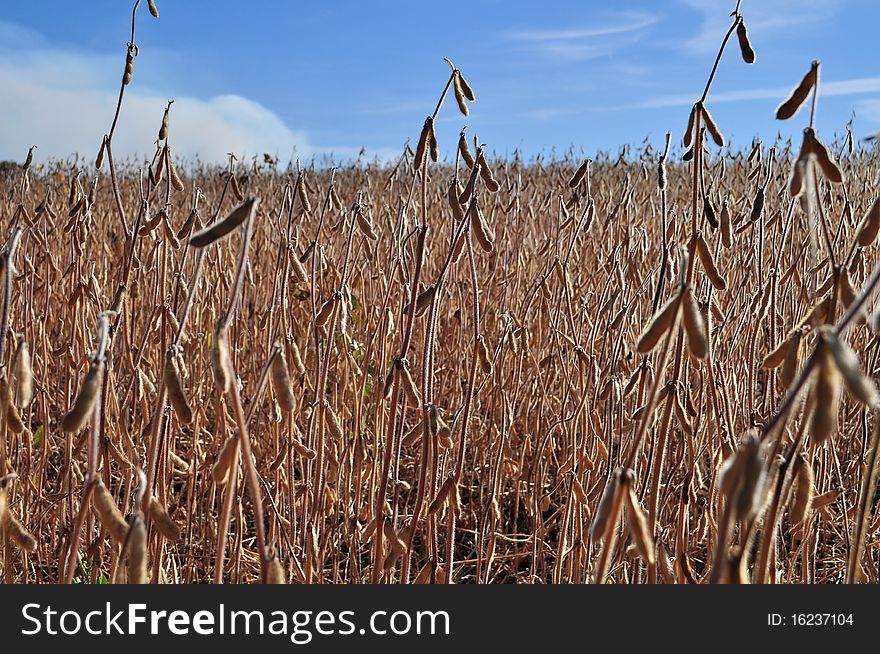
(626,23)
(763,18)
(550,113)
(588,42)
(845,87)
(869,111)
(63,101)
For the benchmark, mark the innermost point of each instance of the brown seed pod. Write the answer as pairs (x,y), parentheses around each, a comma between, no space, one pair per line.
(388,382)
(777,356)
(466,88)
(281,385)
(295,357)
(225,458)
(86,398)
(424,142)
(409,385)
(192,222)
(303,194)
(29,159)
(470,186)
(163,129)
(99,160)
(465,151)
(870,226)
(486,173)
(414,435)
(826,498)
(153,223)
(77,207)
(333,423)
(128,74)
(689,132)
(423,300)
(459,93)
(792,360)
(154,11)
(111,517)
(483,356)
(169,234)
(661,323)
(19,533)
(23,373)
(137,552)
(712,128)
(221,362)
(432,145)
(848,295)
(818,312)
(757,205)
(726,227)
(176,395)
(440,500)
(305,452)
(790,107)
(225,226)
(665,566)
(166,526)
(745,47)
(485,239)
(829,168)
(694,326)
(176,182)
(454,204)
(364,225)
(680,414)
(709,212)
(275,573)
(326,310)
(440,427)
(752,479)
(297,268)
(859,385)
(638,526)
(235,188)
(579,174)
(578,491)
(4,503)
(609,506)
(458,247)
(715,277)
(804,490)
(826,395)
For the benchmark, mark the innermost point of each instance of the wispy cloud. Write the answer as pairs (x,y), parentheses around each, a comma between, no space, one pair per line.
(403,106)
(829,89)
(626,23)
(588,41)
(549,113)
(64,100)
(763,18)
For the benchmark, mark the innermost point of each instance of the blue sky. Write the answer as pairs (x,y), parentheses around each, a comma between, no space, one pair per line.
(327,78)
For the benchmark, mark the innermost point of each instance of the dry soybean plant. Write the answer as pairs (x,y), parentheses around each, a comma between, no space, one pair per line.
(648,367)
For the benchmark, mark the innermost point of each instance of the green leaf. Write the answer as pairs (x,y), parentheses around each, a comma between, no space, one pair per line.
(38,436)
